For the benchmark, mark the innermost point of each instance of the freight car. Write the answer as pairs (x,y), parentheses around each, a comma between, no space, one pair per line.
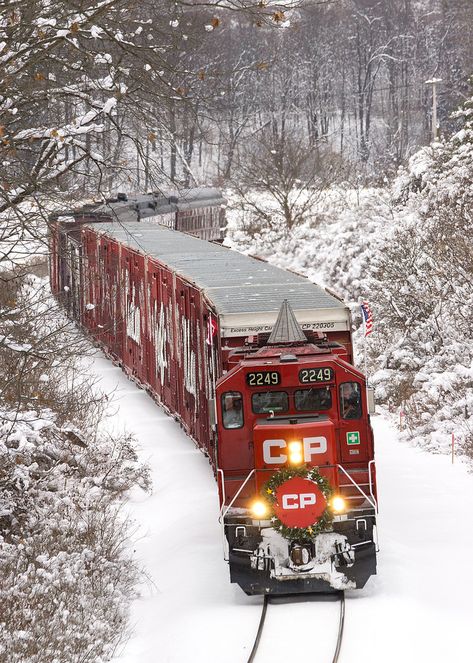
(256,364)
(199,212)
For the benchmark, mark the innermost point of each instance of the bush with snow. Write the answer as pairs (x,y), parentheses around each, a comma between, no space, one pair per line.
(422,283)
(66,578)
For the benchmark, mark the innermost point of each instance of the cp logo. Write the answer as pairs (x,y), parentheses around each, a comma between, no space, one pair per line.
(299,502)
(296,501)
(313,446)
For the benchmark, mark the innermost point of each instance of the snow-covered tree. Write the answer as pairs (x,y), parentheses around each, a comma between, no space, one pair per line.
(66,577)
(423,286)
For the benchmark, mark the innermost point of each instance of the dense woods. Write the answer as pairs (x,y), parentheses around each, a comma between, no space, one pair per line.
(407,247)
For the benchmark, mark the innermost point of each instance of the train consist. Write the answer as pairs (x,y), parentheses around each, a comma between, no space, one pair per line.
(256,364)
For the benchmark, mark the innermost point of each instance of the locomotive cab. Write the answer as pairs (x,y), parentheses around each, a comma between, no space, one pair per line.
(296,470)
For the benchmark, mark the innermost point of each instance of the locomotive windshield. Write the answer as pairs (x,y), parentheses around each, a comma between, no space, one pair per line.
(270,401)
(313,399)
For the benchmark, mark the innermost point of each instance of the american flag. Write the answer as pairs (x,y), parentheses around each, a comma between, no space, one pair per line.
(367,317)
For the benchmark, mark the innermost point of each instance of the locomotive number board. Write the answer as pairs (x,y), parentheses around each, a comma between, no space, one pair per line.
(263,378)
(313,375)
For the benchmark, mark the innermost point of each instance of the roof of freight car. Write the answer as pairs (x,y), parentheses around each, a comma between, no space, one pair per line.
(139,205)
(235,283)
(135,206)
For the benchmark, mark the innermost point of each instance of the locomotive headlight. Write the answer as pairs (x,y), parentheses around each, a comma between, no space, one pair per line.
(259,509)
(295,453)
(338,504)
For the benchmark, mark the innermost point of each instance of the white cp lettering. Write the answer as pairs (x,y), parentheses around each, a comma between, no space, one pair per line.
(294,501)
(312,447)
(271,444)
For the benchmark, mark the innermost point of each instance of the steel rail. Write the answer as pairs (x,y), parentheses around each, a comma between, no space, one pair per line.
(341,623)
(260,629)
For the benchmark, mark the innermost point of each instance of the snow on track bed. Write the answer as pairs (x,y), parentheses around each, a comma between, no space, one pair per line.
(418,609)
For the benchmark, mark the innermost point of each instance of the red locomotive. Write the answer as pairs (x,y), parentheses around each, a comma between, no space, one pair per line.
(295,452)
(256,364)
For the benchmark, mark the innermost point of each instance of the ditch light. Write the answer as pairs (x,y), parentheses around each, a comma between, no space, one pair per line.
(259,509)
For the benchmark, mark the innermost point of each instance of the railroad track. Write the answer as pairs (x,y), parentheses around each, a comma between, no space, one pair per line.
(341,621)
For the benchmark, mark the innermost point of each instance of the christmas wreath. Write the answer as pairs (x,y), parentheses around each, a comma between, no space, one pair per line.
(269,493)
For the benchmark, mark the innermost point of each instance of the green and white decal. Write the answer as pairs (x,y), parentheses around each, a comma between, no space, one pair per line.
(353,437)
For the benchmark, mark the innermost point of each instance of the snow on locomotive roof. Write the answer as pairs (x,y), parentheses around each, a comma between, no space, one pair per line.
(246,292)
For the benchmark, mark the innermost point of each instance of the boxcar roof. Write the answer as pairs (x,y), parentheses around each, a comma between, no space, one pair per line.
(245,291)
(139,205)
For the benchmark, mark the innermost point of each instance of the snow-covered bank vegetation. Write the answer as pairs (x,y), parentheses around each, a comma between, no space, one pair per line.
(408,248)
(67,578)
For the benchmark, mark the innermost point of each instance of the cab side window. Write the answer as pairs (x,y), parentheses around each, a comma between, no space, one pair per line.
(232,409)
(350,400)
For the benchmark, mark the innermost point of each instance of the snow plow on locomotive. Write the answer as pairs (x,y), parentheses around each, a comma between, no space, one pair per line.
(265,387)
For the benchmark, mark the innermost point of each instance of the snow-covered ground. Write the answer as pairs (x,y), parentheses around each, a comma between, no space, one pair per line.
(417,609)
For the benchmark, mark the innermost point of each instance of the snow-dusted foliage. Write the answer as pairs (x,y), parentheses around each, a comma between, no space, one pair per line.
(422,283)
(408,249)
(334,248)
(66,578)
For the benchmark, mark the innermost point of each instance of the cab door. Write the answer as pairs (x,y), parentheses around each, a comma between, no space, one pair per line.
(235,423)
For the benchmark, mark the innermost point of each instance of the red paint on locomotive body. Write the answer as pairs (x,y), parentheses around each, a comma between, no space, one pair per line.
(241,449)
(308,397)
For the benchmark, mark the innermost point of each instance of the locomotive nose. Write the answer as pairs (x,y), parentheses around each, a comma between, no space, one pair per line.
(294,442)
(291,441)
